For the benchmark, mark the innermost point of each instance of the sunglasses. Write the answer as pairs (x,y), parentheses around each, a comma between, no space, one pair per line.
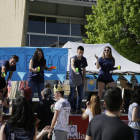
(107,50)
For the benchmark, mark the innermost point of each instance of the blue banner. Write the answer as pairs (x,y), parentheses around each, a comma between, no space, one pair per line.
(128,77)
(54,57)
(115,77)
(138,78)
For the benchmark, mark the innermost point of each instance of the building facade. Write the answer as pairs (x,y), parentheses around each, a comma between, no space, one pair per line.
(43,23)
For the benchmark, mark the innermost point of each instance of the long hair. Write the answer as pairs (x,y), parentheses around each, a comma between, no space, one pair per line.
(110,55)
(95,105)
(135,97)
(35,56)
(22,115)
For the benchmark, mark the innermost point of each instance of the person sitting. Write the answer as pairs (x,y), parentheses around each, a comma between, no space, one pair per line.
(93,108)
(44,113)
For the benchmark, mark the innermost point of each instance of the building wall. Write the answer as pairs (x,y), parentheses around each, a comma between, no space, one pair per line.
(13,22)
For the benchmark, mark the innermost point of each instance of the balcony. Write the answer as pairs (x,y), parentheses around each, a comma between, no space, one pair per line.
(87,3)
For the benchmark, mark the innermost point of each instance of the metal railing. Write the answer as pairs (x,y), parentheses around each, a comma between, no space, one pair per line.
(83,0)
(93,1)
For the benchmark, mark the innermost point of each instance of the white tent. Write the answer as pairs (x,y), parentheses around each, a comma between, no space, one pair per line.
(127,66)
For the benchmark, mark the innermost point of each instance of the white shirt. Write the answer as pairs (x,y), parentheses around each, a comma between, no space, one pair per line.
(63,106)
(89,113)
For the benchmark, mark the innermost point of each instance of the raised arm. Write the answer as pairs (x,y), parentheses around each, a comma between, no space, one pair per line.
(97,62)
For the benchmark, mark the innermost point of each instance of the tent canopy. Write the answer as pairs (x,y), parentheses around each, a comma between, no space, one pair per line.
(127,66)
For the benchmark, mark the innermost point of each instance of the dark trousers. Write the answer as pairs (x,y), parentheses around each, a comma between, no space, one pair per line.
(79,97)
(136,134)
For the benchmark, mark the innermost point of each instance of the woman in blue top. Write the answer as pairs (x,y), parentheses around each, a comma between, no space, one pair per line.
(106,63)
(35,77)
(134,114)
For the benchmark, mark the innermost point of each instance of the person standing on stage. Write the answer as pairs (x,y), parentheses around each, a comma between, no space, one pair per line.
(35,77)
(6,66)
(106,63)
(78,63)
(61,115)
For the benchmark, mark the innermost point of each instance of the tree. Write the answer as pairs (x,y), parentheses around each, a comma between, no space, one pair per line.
(116,22)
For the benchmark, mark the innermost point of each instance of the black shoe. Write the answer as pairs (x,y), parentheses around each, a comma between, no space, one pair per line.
(79,112)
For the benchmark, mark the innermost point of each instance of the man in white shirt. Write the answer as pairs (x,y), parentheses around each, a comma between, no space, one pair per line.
(61,115)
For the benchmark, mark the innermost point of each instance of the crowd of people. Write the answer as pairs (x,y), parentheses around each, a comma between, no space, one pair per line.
(53,114)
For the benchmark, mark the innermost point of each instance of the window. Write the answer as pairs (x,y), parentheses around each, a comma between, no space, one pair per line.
(43,41)
(64,40)
(36,24)
(57,26)
(27,40)
(77,28)
(54,32)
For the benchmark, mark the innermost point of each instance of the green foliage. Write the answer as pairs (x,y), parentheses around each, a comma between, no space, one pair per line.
(116,22)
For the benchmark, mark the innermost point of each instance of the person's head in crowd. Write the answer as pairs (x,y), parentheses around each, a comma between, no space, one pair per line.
(46,93)
(108,53)
(27,92)
(135,97)
(80,51)
(6,93)
(22,115)
(95,105)
(13,60)
(58,92)
(113,99)
(129,86)
(39,56)
(90,94)
(48,85)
